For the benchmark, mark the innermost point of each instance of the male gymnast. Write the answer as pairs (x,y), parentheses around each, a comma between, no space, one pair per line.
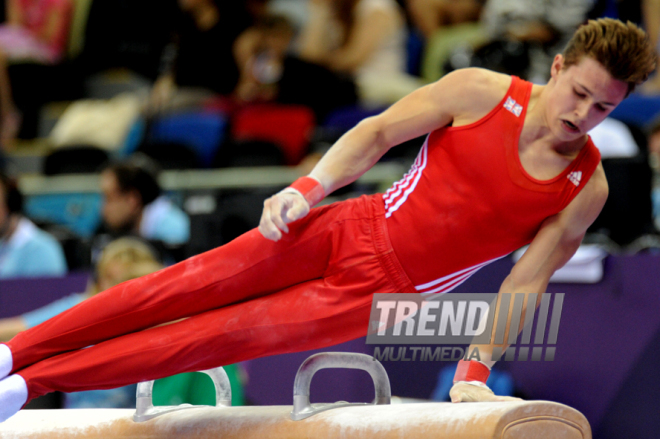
(506,164)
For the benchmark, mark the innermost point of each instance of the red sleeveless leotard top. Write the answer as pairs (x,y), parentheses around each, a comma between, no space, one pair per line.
(467,200)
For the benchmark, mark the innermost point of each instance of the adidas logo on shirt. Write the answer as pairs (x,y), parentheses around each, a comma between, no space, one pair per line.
(575,177)
(513,106)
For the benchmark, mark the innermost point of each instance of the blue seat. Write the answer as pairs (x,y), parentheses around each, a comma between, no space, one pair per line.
(637,110)
(202,131)
(79,212)
(346,118)
(414,52)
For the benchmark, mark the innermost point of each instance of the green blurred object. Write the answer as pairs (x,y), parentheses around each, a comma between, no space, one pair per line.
(441,45)
(197,388)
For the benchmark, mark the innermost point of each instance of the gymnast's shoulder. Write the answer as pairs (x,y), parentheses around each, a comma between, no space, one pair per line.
(471,91)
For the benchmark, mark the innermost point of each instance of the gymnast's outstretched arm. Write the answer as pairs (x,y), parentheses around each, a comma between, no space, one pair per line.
(464,95)
(555,243)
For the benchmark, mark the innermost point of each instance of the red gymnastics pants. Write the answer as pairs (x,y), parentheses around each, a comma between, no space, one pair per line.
(249,298)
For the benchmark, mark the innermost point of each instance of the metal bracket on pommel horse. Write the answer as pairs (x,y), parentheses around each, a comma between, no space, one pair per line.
(145,410)
(301,406)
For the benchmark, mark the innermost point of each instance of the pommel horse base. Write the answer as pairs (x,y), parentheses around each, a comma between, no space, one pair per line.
(501,420)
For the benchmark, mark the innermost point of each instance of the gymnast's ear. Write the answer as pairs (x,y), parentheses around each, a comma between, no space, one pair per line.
(557,66)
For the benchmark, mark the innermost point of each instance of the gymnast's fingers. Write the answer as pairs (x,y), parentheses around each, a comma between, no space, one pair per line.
(465,392)
(266,225)
(279,207)
(274,218)
(298,209)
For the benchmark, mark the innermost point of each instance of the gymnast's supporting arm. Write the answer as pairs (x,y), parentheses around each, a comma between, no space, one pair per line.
(555,243)
(463,95)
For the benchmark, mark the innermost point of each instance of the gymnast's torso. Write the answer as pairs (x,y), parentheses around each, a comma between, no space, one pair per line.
(467,200)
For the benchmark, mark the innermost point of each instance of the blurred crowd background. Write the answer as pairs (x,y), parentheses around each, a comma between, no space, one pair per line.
(154,103)
(172,120)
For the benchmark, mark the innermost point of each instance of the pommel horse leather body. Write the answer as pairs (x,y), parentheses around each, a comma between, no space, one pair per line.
(501,420)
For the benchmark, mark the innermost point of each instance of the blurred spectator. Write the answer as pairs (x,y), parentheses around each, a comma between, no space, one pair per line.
(654,161)
(614,139)
(541,27)
(650,14)
(294,10)
(10,117)
(447,26)
(35,31)
(259,53)
(430,15)
(269,73)
(25,250)
(201,62)
(3,161)
(364,38)
(133,204)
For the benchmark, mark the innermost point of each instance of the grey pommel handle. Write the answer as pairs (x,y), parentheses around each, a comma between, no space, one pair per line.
(145,409)
(302,408)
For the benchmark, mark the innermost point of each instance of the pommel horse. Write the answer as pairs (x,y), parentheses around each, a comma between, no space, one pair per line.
(485,420)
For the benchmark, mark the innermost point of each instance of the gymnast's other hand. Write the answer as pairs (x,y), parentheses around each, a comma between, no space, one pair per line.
(466,392)
(279,210)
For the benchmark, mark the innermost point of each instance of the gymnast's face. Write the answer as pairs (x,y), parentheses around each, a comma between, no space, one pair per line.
(582,96)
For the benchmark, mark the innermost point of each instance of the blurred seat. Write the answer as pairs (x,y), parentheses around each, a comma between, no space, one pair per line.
(637,109)
(343,119)
(249,153)
(288,126)
(75,160)
(79,212)
(170,155)
(414,51)
(225,215)
(203,132)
